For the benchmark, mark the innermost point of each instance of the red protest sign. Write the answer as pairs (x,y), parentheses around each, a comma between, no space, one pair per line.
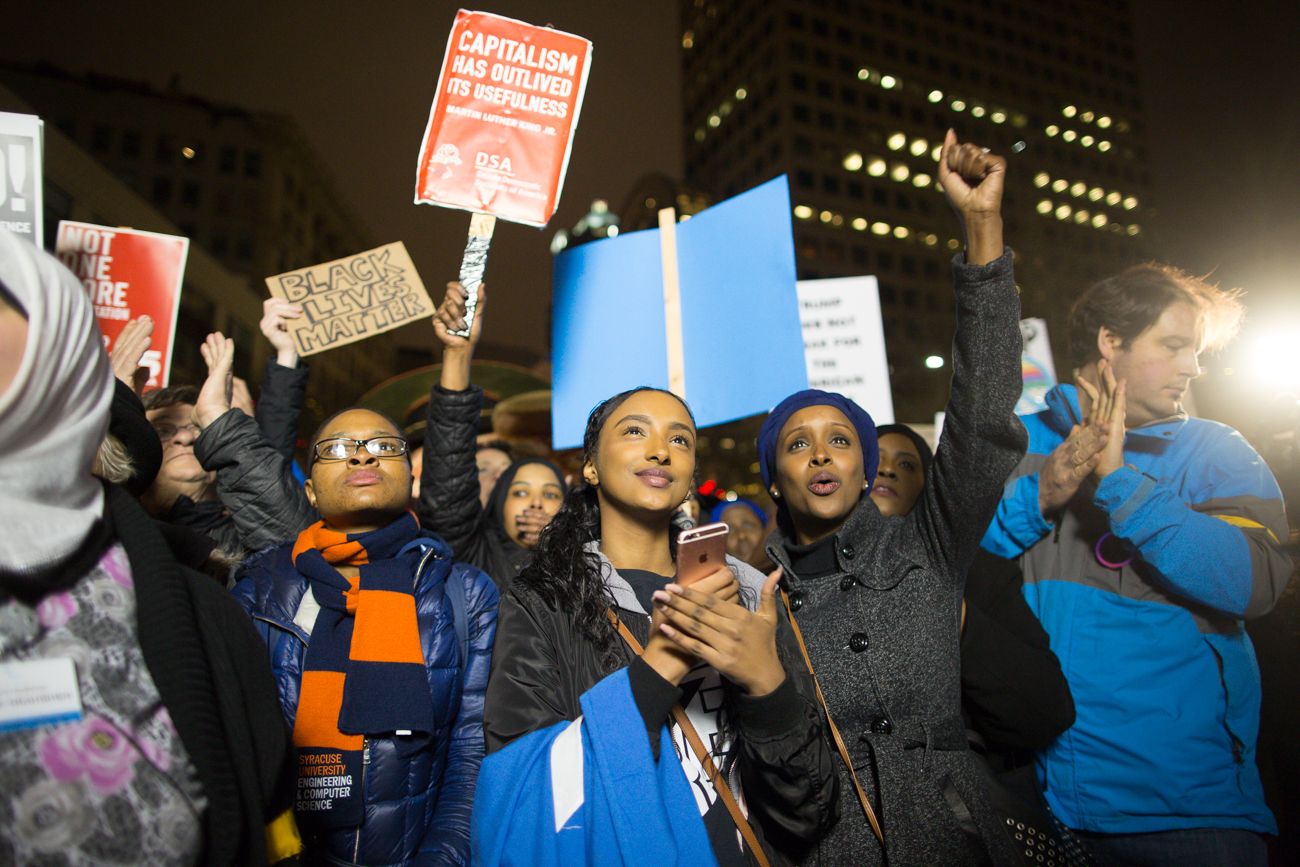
(128,274)
(501,126)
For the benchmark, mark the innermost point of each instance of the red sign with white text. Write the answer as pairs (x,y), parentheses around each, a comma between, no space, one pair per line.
(128,274)
(501,126)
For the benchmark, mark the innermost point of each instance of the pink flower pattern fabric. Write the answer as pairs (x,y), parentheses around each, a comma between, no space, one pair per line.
(56,610)
(116,786)
(91,749)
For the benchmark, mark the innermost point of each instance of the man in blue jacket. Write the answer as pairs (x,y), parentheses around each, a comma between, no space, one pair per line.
(1147,537)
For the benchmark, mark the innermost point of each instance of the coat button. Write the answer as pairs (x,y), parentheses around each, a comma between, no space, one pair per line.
(858,642)
(847,551)
(847,582)
(881,726)
(796,600)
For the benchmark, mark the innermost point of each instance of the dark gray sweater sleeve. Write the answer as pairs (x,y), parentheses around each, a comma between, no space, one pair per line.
(254,482)
(982,440)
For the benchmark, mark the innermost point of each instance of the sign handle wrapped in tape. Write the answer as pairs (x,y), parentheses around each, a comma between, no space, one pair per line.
(474,264)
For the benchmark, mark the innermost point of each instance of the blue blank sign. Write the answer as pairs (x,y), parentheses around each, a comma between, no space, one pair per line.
(742,341)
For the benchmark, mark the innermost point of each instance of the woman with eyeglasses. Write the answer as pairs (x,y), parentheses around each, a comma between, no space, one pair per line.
(380,645)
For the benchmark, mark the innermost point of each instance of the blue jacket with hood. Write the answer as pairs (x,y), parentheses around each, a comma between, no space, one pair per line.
(1164,678)
(417,806)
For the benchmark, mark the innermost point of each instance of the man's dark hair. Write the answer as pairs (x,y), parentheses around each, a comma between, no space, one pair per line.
(171,396)
(1131,301)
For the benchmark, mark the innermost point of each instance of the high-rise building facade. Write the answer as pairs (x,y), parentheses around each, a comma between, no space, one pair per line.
(851,98)
(246,188)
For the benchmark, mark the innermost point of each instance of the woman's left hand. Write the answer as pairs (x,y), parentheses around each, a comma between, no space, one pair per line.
(739,643)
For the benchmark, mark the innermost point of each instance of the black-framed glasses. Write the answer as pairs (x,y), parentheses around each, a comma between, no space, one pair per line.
(342,448)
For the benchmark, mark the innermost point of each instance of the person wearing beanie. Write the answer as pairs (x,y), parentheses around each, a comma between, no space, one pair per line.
(747,522)
(878,597)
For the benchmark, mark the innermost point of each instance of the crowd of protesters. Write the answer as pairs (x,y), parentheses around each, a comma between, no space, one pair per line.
(1024,646)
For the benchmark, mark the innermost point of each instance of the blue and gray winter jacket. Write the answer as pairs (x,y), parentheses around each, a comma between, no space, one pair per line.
(1164,678)
(417,805)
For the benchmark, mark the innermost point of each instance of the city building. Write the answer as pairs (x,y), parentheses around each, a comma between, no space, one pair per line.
(851,98)
(245,187)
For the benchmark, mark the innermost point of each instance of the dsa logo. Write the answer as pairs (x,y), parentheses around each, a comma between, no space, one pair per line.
(495,162)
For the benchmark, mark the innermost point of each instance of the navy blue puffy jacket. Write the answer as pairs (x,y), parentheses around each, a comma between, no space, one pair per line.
(417,807)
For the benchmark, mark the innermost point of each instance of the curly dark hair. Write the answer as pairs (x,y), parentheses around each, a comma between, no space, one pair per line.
(562,573)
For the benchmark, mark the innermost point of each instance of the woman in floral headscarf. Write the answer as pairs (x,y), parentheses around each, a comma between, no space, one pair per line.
(147,729)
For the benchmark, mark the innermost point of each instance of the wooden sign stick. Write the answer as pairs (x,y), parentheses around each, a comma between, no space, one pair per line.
(474,264)
(672,301)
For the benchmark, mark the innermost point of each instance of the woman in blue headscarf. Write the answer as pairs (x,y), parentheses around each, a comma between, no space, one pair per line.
(878,598)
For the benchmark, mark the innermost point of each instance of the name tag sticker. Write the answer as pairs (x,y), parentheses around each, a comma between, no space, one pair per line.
(38,692)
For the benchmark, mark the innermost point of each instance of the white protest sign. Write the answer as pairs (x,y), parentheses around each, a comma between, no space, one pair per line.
(21,187)
(844,341)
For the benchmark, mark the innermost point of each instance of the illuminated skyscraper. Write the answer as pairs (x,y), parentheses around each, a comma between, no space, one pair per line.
(851,98)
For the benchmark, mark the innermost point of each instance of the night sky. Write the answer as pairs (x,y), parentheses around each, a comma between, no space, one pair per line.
(1219,80)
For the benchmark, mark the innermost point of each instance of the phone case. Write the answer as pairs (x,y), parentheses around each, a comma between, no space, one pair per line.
(700,551)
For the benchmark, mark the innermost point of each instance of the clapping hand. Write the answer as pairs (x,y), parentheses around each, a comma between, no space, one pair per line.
(214,397)
(1110,396)
(131,345)
(1097,442)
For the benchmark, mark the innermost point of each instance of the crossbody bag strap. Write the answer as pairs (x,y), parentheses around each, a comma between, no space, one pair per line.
(701,753)
(835,731)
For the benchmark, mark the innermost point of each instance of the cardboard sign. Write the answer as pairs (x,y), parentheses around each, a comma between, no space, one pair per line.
(1037,372)
(21,190)
(129,274)
(353,298)
(742,347)
(844,342)
(501,126)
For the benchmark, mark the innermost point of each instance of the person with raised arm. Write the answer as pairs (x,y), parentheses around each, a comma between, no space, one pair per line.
(878,598)
(499,534)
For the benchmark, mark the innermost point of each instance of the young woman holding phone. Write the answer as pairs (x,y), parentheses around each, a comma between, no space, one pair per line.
(597,643)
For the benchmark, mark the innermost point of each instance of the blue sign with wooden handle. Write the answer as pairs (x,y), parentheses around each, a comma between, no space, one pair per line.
(732,314)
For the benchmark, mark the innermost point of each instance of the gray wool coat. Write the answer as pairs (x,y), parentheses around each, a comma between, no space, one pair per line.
(883,631)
